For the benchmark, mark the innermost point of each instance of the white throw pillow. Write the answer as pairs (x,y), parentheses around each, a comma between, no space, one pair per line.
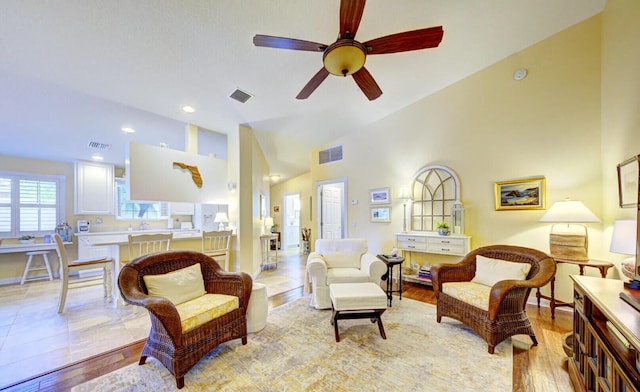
(490,271)
(178,286)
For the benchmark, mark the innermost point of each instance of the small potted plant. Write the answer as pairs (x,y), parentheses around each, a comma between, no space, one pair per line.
(27,239)
(443,228)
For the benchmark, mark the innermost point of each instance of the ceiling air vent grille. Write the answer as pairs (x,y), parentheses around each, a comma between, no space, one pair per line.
(240,96)
(100,146)
(330,155)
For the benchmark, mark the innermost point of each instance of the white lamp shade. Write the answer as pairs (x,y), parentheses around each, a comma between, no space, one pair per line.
(405,193)
(268,222)
(623,239)
(569,211)
(221,217)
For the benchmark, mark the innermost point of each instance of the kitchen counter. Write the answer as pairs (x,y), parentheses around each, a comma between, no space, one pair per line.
(122,237)
(108,244)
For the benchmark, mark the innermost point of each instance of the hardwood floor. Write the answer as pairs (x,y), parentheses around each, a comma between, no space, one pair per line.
(541,368)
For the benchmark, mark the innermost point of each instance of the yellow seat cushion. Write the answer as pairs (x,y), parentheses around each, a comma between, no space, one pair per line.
(200,310)
(474,294)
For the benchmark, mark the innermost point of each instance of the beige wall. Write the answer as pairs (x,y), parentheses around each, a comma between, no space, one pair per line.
(620,97)
(620,102)
(253,182)
(487,128)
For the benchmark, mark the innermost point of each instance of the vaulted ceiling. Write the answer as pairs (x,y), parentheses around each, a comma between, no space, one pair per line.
(72,72)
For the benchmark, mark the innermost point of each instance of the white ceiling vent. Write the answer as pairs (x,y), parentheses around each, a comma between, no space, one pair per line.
(100,146)
(330,155)
(240,96)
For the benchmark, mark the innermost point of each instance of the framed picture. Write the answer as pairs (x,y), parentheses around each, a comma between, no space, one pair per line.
(628,190)
(380,214)
(379,196)
(527,194)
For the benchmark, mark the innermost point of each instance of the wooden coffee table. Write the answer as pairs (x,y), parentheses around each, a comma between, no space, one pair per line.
(357,301)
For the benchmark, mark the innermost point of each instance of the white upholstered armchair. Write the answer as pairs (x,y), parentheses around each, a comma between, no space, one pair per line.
(339,261)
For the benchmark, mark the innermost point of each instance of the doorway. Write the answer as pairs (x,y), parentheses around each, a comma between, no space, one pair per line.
(291,221)
(331,196)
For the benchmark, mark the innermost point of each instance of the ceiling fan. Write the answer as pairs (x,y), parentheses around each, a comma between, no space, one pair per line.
(347,56)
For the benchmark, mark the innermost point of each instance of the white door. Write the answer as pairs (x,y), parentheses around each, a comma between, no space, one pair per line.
(291,221)
(331,198)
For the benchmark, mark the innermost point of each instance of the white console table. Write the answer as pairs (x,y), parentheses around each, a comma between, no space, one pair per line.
(431,242)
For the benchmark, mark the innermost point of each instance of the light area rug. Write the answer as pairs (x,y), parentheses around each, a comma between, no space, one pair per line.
(297,351)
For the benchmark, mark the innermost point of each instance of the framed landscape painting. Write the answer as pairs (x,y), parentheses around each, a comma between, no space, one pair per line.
(379,196)
(529,194)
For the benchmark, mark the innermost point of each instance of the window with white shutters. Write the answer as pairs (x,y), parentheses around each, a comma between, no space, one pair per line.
(30,204)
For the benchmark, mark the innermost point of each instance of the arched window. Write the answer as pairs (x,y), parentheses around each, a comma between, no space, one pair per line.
(434,190)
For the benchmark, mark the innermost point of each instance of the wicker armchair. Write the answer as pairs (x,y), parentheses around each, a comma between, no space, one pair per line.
(506,315)
(179,351)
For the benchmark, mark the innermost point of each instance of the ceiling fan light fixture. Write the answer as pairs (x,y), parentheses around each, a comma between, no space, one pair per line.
(344,57)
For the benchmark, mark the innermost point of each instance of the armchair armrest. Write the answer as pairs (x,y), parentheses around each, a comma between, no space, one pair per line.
(219,281)
(373,265)
(316,266)
(316,272)
(161,308)
(462,271)
(502,288)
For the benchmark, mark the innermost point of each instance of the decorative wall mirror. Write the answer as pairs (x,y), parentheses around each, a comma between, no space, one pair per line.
(435,194)
(629,196)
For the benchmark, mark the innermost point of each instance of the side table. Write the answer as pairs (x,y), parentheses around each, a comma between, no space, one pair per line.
(388,276)
(602,266)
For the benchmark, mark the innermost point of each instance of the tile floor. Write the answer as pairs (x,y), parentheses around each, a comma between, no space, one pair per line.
(34,338)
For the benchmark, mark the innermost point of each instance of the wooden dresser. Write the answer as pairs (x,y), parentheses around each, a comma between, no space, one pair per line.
(606,337)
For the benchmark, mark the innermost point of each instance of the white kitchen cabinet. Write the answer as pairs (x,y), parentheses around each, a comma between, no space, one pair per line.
(180,208)
(94,188)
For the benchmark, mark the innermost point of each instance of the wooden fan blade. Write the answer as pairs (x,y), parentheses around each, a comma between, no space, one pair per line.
(287,43)
(313,84)
(407,41)
(367,84)
(350,16)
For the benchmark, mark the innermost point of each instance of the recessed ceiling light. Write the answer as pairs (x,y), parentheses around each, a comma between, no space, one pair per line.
(97,157)
(188,109)
(520,74)
(274,177)
(128,130)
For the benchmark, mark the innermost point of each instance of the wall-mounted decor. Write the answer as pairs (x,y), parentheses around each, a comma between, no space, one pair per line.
(379,196)
(276,208)
(529,194)
(152,175)
(628,172)
(380,214)
(195,173)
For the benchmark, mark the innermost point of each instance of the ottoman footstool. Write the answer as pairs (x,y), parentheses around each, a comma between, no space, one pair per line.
(357,301)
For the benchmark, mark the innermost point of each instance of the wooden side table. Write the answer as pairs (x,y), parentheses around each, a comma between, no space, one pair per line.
(388,276)
(602,266)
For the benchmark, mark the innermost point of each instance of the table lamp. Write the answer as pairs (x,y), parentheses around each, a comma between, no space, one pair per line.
(221,218)
(569,245)
(405,196)
(268,224)
(623,241)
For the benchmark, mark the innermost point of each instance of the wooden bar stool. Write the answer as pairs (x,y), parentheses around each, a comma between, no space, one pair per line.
(29,267)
